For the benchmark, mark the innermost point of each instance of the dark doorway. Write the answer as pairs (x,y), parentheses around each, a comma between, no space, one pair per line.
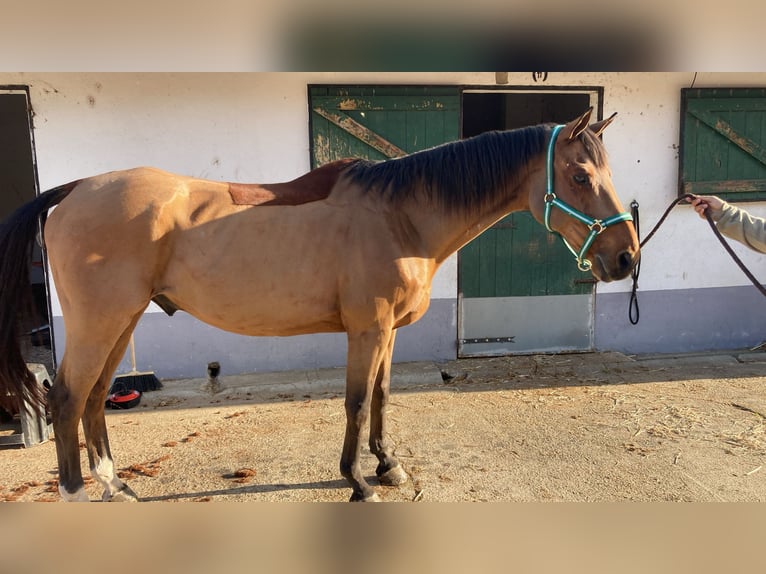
(484,111)
(519,290)
(18,185)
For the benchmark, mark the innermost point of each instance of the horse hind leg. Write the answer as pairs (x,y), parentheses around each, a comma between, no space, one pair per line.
(79,370)
(66,408)
(389,470)
(94,426)
(81,382)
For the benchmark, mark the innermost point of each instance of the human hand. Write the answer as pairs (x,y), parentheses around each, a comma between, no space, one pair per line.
(703,202)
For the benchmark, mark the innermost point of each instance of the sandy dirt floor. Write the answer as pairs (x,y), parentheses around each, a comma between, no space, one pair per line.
(578,427)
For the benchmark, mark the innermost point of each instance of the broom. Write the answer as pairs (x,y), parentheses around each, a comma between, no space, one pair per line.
(134,380)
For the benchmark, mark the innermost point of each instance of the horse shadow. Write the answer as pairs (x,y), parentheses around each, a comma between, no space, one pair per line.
(338,484)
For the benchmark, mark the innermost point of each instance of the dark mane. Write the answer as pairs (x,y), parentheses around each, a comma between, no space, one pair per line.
(461,174)
(465,173)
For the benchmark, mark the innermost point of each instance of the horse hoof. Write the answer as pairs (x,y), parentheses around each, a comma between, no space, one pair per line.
(371,498)
(78,496)
(394,476)
(125,494)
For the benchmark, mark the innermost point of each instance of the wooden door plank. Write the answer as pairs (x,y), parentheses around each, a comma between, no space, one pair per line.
(487,262)
(722,127)
(739,186)
(503,231)
(360,132)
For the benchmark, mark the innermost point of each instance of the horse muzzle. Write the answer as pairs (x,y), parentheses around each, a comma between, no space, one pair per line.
(613,269)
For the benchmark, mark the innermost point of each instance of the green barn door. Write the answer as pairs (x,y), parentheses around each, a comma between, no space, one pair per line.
(380,122)
(520,288)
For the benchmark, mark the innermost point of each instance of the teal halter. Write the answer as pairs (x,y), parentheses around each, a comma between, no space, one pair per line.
(596,226)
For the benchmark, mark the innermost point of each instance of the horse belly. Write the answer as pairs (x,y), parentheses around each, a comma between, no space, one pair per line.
(254,292)
(268,316)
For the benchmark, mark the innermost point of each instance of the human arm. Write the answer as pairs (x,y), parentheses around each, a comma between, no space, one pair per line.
(732,221)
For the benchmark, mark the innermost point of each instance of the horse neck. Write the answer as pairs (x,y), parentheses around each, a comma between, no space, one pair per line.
(443,231)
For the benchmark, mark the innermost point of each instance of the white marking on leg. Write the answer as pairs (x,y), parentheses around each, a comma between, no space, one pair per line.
(104,473)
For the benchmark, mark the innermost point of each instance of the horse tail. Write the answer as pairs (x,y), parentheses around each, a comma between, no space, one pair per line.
(17,236)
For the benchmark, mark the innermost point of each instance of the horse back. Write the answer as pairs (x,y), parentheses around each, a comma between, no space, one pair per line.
(313,186)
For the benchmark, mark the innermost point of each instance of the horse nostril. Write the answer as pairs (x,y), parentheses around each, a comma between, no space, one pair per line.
(625,260)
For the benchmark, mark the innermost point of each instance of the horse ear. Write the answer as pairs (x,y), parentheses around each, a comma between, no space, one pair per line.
(599,127)
(576,127)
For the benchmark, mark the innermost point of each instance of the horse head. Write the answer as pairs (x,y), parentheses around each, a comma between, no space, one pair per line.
(579,203)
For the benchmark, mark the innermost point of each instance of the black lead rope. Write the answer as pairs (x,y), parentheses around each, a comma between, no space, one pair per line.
(737,260)
(667,212)
(633,313)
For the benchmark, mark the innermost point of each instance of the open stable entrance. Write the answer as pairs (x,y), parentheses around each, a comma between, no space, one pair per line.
(18,185)
(519,288)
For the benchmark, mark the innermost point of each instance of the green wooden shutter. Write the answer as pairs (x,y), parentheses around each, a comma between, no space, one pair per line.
(723,143)
(380,122)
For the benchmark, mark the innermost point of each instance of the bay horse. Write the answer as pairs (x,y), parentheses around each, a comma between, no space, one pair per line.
(349,247)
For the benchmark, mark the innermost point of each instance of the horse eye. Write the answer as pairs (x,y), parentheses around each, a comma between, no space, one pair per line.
(581,178)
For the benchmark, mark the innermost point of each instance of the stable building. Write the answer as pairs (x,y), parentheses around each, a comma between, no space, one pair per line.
(515,289)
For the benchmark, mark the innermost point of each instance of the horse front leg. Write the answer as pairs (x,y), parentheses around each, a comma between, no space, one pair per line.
(389,471)
(365,353)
